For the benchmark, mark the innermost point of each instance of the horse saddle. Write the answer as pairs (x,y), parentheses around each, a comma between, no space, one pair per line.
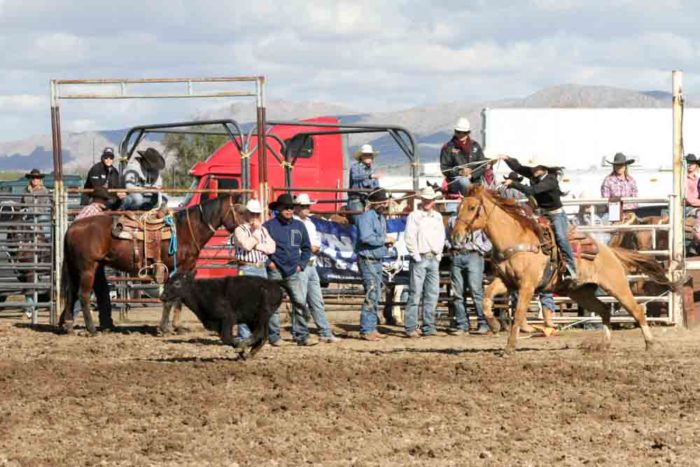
(583,246)
(149,229)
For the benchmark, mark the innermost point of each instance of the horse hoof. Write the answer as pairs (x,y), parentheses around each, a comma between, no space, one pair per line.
(182,330)
(67,328)
(164,331)
(652,346)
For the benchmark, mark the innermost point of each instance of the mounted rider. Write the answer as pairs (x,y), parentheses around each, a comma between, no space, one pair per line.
(143,171)
(459,160)
(544,188)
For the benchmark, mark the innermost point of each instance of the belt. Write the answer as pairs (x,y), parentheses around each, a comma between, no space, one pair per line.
(553,211)
(246,263)
(463,251)
(429,254)
(370,260)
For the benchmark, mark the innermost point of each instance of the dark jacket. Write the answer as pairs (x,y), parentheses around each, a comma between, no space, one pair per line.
(545,190)
(451,157)
(100,175)
(293,247)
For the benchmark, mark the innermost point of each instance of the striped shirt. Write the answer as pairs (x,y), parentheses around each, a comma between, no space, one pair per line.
(92,209)
(252,246)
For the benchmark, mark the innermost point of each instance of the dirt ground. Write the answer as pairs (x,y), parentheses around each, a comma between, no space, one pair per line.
(133,398)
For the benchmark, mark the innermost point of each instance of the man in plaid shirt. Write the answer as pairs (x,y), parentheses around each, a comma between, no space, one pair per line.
(100,198)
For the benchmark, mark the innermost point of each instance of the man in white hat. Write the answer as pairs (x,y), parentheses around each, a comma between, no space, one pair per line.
(460,157)
(362,177)
(544,188)
(311,281)
(425,240)
(253,245)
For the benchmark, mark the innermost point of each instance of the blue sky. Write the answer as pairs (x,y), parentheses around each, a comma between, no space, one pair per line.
(364,55)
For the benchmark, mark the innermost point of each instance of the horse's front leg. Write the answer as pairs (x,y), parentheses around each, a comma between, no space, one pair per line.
(87,280)
(497,287)
(524,296)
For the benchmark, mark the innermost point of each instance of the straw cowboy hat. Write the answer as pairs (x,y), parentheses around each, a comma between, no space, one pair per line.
(152,158)
(691,159)
(513,176)
(283,200)
(253,206)
(302,199)
(428,193)
(463,125)
(365,150)
(34,173)
(100,193)
(620,159)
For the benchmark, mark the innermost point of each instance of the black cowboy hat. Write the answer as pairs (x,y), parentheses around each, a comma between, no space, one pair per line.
(378,196)
(107,153)
(152,158)
(513,176)
(34,173)
(620,159)
(692,159)
(100,192)
(283,200)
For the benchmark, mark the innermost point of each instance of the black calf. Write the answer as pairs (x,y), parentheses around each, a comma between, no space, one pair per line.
(221,303)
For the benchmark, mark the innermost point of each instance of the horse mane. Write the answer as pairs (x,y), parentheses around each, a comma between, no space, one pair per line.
(510,206)
(210,209)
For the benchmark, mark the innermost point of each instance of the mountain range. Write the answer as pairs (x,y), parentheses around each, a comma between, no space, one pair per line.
(430,125)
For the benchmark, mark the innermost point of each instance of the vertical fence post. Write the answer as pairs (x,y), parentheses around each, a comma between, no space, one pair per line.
(677,262)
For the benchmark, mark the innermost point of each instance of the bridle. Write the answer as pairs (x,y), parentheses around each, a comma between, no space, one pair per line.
(479,210)
(231,210)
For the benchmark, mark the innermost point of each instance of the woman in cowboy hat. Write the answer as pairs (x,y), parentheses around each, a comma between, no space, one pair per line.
(620,184)
(362,177)
(143,171)
(37,199)
(692,198)
(544,188)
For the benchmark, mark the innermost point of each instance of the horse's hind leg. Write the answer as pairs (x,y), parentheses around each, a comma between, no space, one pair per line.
(524,296)
(620,289)
(87,279)
(497,287)
(585,297)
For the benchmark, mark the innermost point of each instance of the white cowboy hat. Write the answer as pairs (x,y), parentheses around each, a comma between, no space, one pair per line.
(428,193)
(302,199)
(253,206)
(463,125)
(542,161)
(365,150)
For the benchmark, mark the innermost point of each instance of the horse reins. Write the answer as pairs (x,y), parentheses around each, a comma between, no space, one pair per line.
(231,210)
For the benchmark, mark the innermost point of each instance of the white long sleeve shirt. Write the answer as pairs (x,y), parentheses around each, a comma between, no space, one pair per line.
(425,233)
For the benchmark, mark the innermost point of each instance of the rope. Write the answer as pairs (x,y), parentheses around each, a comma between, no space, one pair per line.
(169,220)
(286,165)
(246,154)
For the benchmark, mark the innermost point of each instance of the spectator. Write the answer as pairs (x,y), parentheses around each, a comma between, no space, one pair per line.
(371,248)
(467,272)
(458,157)
(36,201)
(362,177)
(286,266)
(311,280)
(425,240)
(104,174)
(692,199)
(619,183)
(143,171)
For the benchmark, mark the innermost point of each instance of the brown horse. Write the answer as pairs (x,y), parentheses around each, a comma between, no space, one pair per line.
(89,243)
(514,233)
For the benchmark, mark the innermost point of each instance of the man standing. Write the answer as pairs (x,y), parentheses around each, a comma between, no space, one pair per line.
(362,177)
(467,269)
(311,280)
(460,157)
(371,248)
(425,239)
(143,171)
(286,266)
(104,174)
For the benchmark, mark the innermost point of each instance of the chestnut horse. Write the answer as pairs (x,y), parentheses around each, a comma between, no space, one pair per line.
(89,243)
(510,229)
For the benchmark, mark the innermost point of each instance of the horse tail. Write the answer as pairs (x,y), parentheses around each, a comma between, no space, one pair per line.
(644,264)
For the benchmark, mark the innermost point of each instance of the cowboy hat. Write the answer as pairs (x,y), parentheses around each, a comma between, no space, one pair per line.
(543,161)
(100,192)
(463,125)
(620,159)
(302,199)
(34,173)
(152,158)
(378,196)
(365,150)
(513,176)
(691,159)
(283,200)
(428,193)
(253,206)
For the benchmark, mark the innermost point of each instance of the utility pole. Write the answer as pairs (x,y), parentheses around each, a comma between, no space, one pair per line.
(677,233)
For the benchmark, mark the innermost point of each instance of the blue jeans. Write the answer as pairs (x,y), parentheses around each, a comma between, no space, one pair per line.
(294,286)
(314,300)
(460,184)
(425,284)
(250,270)
(141,201)
(561,229)
(467,269)
(371,271)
